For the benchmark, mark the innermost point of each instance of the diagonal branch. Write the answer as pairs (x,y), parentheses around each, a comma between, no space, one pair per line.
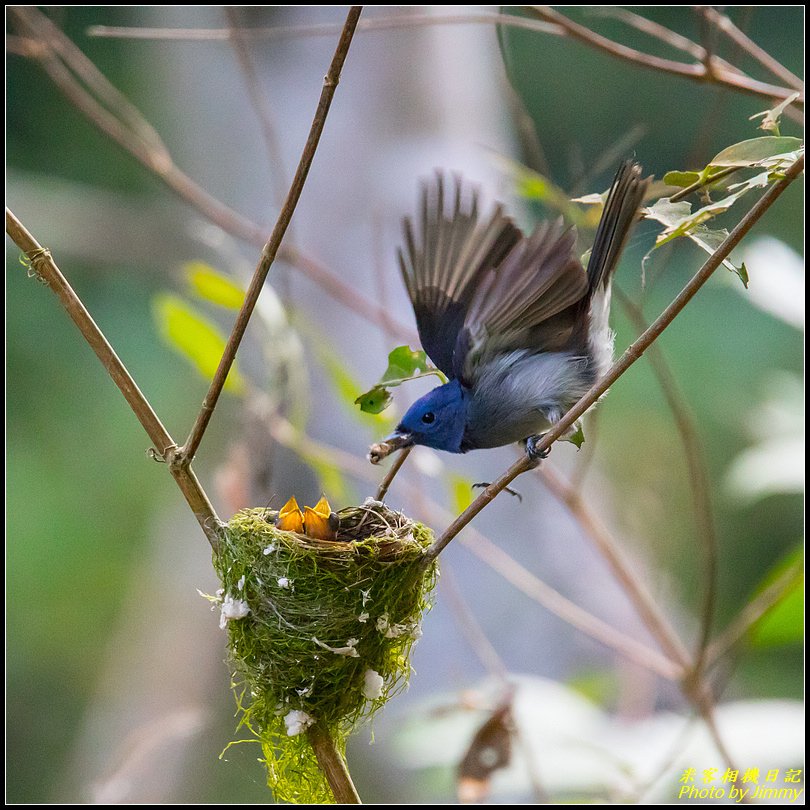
(270,250)
(632,585)
(632,353)
(698,475)
(44,266)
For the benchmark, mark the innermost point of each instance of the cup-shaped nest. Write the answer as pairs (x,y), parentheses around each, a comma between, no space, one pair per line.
(319,631)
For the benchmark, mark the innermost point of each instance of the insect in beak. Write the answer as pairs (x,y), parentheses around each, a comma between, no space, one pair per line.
(396,441)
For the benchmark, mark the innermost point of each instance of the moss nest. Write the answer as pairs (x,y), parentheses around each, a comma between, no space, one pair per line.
(319,630)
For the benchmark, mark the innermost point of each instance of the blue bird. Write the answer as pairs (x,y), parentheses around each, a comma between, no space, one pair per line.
(515,322)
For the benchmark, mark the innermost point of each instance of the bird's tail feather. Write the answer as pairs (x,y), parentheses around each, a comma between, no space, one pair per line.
(618,217)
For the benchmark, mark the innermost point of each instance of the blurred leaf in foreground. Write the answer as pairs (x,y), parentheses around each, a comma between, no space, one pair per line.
(194,337)
(211,285)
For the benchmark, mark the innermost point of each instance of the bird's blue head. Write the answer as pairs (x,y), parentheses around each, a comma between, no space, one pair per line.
(435,420)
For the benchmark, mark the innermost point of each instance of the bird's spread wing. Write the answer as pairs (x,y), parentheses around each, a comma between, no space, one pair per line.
(526,301)
(443,264)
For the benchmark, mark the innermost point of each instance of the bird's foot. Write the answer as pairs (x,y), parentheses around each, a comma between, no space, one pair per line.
(534,455)
(513,492)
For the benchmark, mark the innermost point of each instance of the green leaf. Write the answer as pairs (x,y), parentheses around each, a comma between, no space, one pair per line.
(374,401)
(577,438)
(194,337)
(404,362)
(784,622)
(679,220)
(755,151)
(213,286)
(461,492)
(681,179)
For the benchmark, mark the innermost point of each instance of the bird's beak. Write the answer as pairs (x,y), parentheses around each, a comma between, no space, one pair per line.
(396,441)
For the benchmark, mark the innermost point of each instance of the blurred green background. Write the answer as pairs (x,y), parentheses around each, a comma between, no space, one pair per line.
(102,559)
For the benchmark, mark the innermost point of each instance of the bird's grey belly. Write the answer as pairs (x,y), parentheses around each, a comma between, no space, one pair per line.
(522,394)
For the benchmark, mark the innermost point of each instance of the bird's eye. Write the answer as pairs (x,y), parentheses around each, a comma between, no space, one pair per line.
(429,418)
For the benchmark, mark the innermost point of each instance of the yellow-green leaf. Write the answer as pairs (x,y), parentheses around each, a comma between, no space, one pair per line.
(213,286)
(461,492)
(194,337)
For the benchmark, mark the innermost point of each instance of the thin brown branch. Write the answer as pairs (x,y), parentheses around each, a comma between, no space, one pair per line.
(155,157)
(270,249)
(740,38)
(714,74)
(632,585)
(324,29)
(471,629)
(258,100)
(630,356)
(391,474)
(333,765)
(753,612)
(697,474)
(599,630)
(45,268)
(660,32)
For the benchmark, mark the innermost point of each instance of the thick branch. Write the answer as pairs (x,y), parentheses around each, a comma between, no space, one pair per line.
(45,267)
(274,242)
(633,353)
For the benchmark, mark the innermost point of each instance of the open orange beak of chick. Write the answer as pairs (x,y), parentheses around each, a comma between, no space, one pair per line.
(318,522)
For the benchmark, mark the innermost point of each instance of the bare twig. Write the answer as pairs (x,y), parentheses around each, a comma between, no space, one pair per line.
(391,474)
(471,629)
(724,24)
(630,356)
(333,765)
(44,266)
(697,474)
(259,101)
(658,31)
(632,585)
(323,29)
(273,243)
(714,74)
(578,617)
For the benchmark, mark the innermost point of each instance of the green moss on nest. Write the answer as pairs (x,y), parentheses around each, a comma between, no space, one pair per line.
(328,625)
